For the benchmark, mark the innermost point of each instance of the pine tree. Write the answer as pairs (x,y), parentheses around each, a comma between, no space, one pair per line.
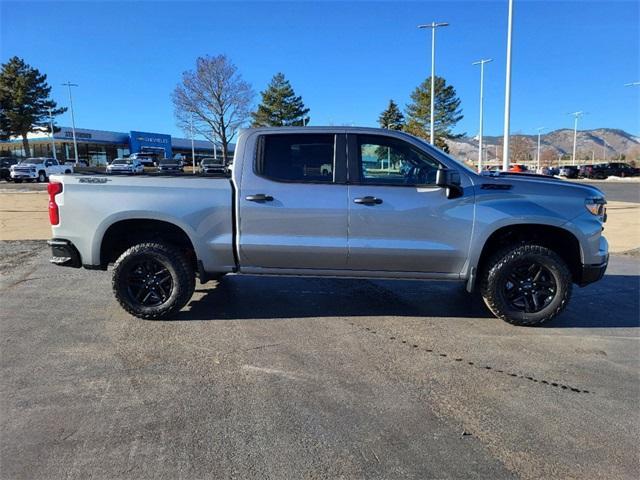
(24,101)
(447,112)
(280,107)
(391,118)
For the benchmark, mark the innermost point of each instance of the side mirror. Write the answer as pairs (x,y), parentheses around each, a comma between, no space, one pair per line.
(449,179)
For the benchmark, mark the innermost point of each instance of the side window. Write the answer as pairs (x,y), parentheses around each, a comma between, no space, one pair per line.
(386,161)
(296,157)
(48,163)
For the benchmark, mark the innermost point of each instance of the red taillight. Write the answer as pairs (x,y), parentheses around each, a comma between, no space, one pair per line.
(54,188)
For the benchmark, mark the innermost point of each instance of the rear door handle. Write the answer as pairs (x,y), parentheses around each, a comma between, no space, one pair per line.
(368,200)
(259,197)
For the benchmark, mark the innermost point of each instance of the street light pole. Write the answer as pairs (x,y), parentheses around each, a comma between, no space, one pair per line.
(481,63)
(576,116)
(193,147)
(507,93)
(53,141)
(433,26)
(538,150)
(73,120)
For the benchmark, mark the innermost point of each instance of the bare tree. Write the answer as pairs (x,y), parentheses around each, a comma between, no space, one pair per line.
(547,157)
(216,98)
(520,147)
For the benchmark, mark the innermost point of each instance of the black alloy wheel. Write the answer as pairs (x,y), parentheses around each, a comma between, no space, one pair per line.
(529,287)
(149,282)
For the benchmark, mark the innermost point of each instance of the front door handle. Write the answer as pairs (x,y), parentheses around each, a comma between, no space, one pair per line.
(259,197)
(368,200)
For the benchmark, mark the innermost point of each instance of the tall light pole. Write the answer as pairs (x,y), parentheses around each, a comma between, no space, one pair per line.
(193,147)
(507,92)
(576,116)
(53,141)
(433,26)
(481,63)
(540,129)
(73,120)
(604,150)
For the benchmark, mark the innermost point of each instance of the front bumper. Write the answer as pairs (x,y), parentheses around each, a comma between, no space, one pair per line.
(23,175)
(64,253)
(592,273)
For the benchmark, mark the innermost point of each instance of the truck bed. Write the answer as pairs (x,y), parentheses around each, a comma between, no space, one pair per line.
(200,206)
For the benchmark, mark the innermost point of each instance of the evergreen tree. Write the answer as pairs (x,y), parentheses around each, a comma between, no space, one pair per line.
(280,107)
(391,118)
(24,101)
(447,112)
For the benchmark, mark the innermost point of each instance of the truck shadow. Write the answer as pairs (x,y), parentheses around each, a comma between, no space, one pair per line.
(612,303)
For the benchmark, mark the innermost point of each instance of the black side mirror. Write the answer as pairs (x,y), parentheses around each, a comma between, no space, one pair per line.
(449,179)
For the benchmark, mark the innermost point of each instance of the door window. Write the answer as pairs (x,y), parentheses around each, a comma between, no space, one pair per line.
(387,161)
(300,158)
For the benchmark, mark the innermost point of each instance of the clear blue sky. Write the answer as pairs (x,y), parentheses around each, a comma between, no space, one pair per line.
(346,59)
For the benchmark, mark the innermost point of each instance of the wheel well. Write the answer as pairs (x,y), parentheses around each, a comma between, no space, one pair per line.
(126,233)
(561,241)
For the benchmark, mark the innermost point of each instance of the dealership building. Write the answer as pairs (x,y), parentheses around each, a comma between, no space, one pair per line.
(101,146)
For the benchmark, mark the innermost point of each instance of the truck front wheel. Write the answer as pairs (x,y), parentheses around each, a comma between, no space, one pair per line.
(153,280)
(526,284)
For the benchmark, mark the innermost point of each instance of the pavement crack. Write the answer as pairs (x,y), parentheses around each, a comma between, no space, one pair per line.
(478,365)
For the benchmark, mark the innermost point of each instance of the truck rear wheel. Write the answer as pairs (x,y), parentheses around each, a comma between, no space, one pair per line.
(526,284)
(153,280)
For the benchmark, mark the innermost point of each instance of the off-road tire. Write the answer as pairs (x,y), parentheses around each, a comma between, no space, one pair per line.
(501,264)
(170,257)
(42,177)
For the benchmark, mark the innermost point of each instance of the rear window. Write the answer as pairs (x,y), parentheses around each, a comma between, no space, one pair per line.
(296,157)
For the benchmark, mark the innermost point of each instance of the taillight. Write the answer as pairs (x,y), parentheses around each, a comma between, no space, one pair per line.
(54,188)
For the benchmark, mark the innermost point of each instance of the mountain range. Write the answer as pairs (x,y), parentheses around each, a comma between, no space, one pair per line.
(598,145)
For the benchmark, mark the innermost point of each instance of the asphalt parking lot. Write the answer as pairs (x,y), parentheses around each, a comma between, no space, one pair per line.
(312,378)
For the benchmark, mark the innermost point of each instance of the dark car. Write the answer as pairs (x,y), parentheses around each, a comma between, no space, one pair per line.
(170,165)
(612,169)
(5,164)
(568,171)
(210,166)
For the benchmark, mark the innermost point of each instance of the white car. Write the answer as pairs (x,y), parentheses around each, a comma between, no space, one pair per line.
(37,169)
(125,165)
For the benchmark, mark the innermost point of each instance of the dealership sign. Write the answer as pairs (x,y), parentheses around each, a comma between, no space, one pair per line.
(146,141)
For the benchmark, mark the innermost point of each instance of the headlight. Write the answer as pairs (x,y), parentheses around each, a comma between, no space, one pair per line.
(596,206)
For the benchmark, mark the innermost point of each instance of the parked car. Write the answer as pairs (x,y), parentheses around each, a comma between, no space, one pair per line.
(212,165)
(125,165)
(522,240)
(81,163)
(518,168)
(549,171)
(612,169)
(37,169)
(568,171)
(170,165)
(147,159)
(5,166)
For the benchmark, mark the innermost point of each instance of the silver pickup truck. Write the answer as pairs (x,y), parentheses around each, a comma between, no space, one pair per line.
(337,202)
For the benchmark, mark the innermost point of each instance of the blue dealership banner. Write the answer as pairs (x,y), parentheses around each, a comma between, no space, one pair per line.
(147,140)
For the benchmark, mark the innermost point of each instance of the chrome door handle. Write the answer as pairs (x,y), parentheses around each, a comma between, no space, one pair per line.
(259,197)
(368,200)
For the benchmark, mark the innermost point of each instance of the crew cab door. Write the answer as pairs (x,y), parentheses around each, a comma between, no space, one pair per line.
(292,202)
(399,220)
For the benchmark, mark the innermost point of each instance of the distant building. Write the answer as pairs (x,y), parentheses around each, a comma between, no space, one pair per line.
(102,146)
